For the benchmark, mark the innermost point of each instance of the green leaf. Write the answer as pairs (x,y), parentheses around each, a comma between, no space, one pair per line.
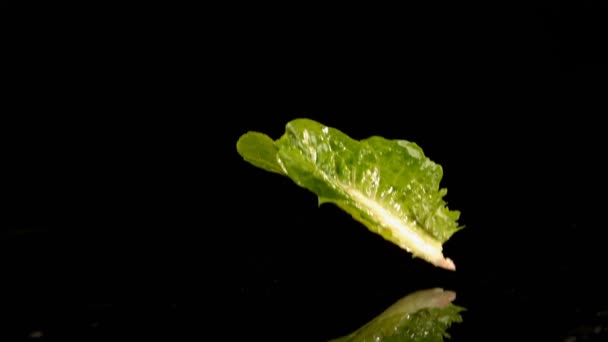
(388,185)
(259,150)
(421,316)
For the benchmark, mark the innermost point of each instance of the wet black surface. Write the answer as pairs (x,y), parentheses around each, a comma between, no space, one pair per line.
(128,212)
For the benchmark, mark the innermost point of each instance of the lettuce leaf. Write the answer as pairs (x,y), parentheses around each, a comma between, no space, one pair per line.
(388,185)
(421,316)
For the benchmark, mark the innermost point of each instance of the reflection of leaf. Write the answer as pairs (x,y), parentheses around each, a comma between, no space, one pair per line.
(421,316)
(388,185)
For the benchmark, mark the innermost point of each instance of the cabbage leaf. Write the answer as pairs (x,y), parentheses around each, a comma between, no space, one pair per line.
(388,185)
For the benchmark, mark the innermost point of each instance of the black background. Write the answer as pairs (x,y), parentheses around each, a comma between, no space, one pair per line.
(128,212)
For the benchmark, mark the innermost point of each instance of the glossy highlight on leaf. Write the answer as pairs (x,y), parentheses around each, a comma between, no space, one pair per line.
(388,185)
(422,316)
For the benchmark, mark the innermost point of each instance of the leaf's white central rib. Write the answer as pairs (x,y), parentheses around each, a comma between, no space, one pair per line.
(409,239)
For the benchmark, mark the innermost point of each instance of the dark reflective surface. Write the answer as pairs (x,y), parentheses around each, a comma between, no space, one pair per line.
(159,251)
(127,211)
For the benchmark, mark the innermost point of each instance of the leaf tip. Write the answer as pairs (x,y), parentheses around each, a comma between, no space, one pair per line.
(447,264)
